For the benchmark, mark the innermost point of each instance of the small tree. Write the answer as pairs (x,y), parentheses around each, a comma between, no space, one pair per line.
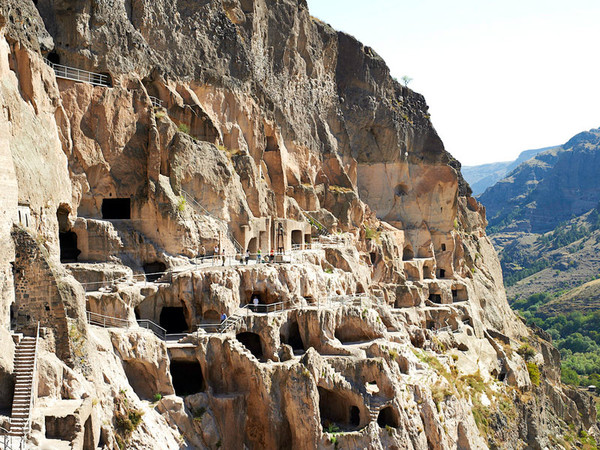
(406,79)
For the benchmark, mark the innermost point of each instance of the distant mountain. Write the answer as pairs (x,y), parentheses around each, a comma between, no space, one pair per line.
(544,218)
(485,175)
(552,187)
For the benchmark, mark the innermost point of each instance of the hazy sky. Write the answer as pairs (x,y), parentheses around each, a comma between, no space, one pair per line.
(499,76)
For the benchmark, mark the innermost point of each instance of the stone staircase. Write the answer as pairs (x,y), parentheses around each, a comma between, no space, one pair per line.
(25,368)
(375,406)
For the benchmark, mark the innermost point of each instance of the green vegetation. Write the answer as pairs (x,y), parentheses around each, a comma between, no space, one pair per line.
(126,419)
(575,334)
(539,265)
(183,128)
(534,373)
(406,80)
(156,397)
(181,202)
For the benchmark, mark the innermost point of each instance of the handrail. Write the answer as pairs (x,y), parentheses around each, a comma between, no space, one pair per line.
(74,74)
(322,229)
(7,440)
(156,329)
(156,102)
(106,321)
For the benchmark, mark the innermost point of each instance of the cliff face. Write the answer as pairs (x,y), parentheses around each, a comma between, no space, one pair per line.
(252,126)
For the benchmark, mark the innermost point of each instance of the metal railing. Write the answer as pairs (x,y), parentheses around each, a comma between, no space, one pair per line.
(106,321)
(159,331)
(321,229)
(156,102)
(8,442)
(74,74)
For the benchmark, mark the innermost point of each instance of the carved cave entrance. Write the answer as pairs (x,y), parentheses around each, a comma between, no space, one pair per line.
(427,271)
(293,338)
(68,247)
(187,377)
(253,246)
(335,409)
(388,417)
(67,238)
(154,270)
(116,208)
(172,319)
(435,298)
(348,334)
(252,342)
(407,253)
(297,237)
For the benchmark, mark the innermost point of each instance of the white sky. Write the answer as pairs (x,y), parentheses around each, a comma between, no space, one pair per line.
(499,76)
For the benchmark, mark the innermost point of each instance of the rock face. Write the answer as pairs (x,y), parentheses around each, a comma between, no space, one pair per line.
(247,126)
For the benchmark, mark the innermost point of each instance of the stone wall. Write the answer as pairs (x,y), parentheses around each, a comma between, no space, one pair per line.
(38,292)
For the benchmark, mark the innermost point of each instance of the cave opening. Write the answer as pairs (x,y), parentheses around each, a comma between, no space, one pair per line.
(68,247)
(252,342)
(154,270)
(442,273)
(271,144)
(252,247)
(427,271)
(256,294)
(297,238)
(116,208)
(53,57)
(187,377)
(335,409)
(388,418)
(373,257)
(407,253)
(435,298)
(347,334)
(354,416)
(172,319)
(294,339)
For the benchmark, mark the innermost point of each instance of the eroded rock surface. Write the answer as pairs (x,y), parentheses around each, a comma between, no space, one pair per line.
(381,318)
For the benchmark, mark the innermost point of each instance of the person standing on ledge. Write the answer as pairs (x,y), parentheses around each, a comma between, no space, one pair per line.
(258,257)
(255,303)
(202,254)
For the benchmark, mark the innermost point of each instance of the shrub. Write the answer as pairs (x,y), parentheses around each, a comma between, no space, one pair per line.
(181,202)
(534,373)
(157,397)
(183,128)
(526,351)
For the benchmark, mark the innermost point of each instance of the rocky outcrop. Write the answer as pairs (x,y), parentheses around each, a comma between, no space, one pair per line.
(266,131)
